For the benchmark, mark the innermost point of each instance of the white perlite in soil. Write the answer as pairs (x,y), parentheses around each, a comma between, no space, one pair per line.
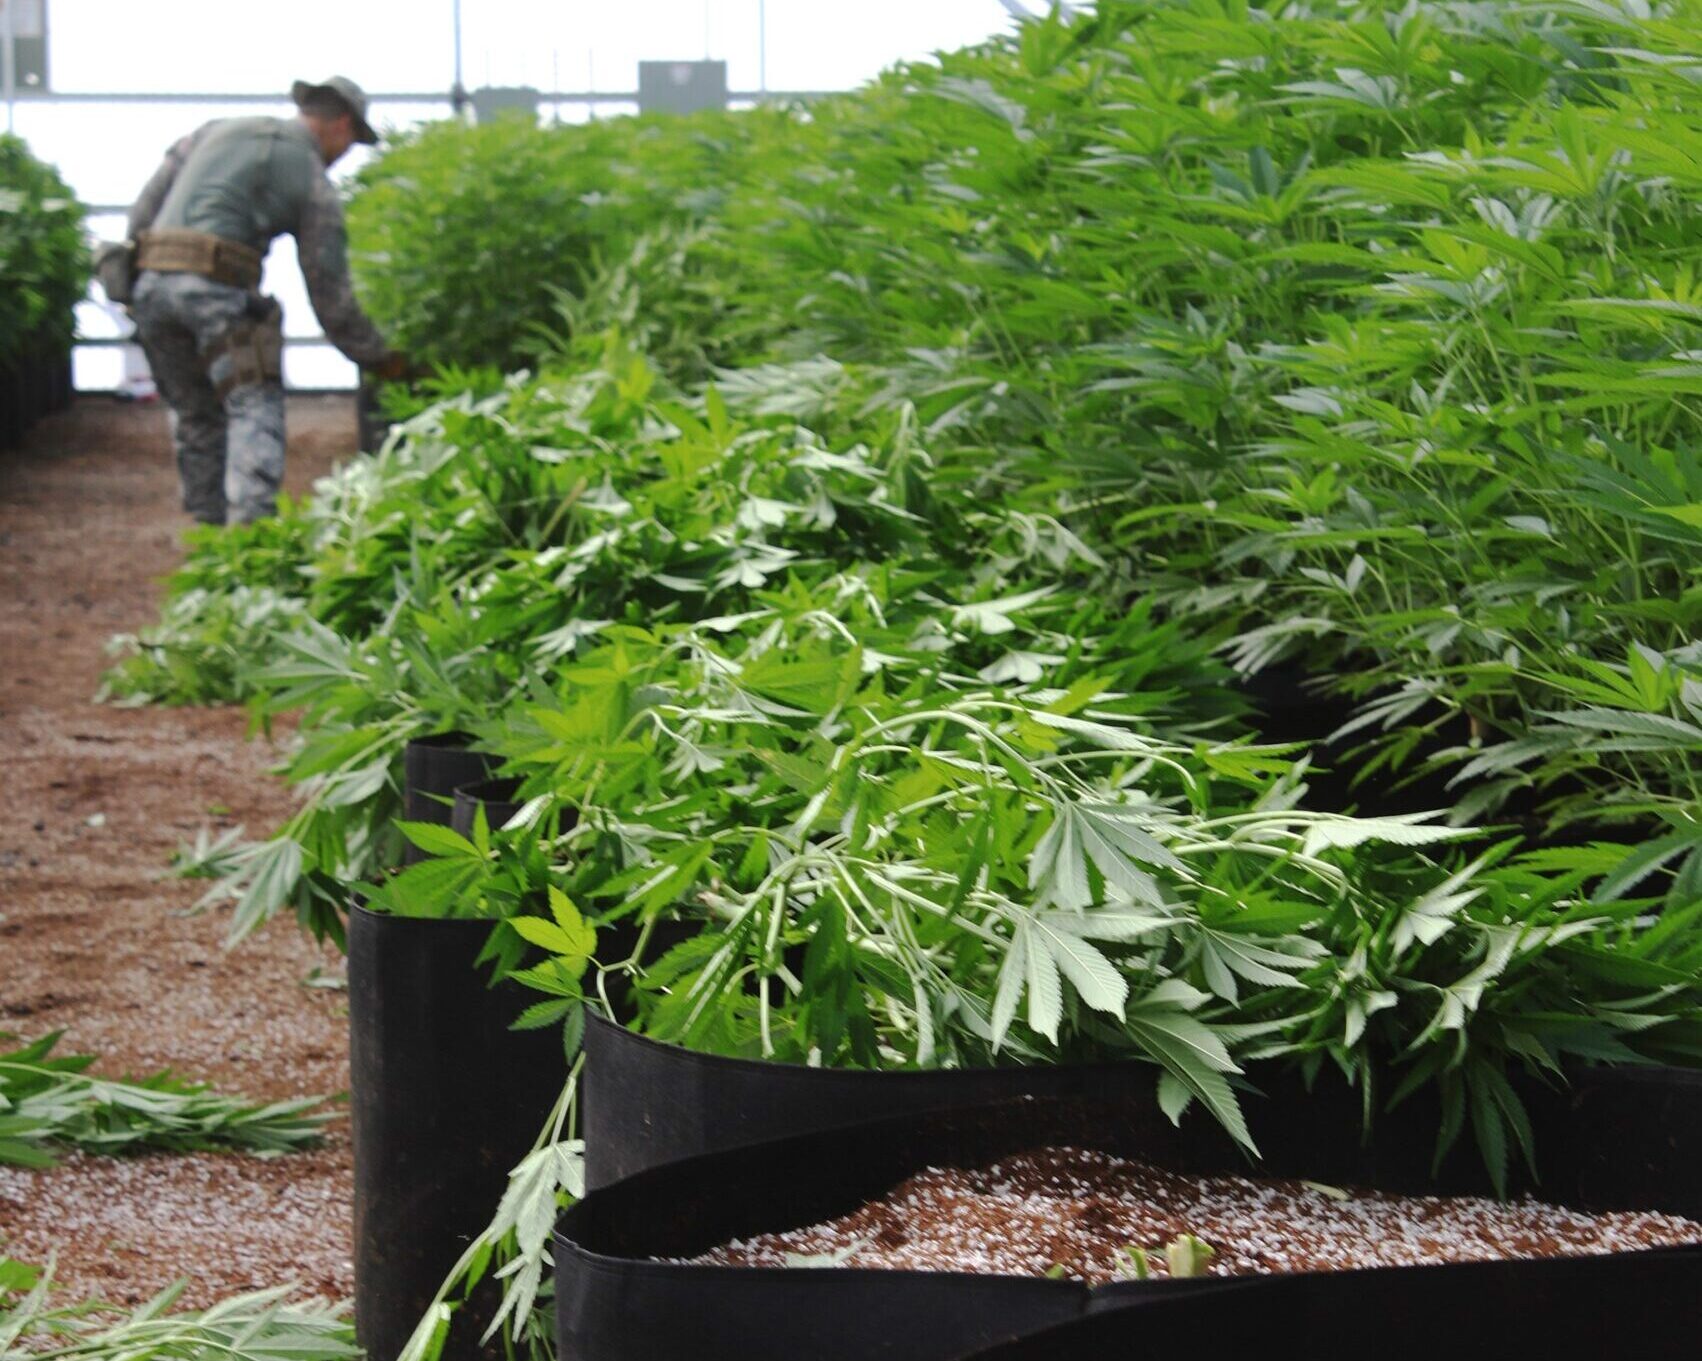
(1081,1211)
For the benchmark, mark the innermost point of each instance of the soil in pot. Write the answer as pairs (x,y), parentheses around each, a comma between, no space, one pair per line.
(1089,1216)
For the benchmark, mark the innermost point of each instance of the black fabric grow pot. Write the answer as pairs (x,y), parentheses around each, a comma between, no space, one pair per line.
(433,768)
(1632,1138)
(495,796)
(445,1100)
(616,1300)
(1638,1305)
(648,1103)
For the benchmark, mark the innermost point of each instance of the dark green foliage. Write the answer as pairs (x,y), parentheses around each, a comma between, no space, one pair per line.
(500,220)
(44,264)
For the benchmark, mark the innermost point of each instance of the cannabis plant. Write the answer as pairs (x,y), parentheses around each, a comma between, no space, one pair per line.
(50,1101)
(265,1325)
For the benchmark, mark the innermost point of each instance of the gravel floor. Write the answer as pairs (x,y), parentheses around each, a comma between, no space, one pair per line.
(93,940)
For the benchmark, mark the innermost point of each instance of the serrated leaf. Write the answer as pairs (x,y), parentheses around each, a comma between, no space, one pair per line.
(1093,976)
(1174,1096)
(1045,990)
(1013,975)
(566,944)
(1405,829)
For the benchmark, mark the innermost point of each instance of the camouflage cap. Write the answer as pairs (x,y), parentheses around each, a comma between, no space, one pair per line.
(345,90)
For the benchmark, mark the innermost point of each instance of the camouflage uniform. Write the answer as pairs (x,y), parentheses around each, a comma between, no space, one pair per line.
(245,180)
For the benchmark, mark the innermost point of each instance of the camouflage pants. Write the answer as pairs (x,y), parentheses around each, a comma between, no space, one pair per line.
(230,444)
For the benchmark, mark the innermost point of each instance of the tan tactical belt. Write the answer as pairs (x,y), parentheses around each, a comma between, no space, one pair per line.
(174,250)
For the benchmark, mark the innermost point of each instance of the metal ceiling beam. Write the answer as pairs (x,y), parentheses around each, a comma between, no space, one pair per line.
(420,97)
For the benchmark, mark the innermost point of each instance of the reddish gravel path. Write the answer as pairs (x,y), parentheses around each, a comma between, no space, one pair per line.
(93,800)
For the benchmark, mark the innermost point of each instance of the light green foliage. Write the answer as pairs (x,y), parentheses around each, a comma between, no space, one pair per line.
(502,536)
(44,264)
(231,595)
(263,1326)
(958,875)
(1361,331)
(886,667)
(857,582)
(50,1102)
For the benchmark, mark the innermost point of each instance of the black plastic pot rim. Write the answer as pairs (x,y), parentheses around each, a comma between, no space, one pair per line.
(1481,1325)
(453,740)
(655,1103)
(497,789)
(391,922)
(729,1063)
(1113,1294)
(632,1267)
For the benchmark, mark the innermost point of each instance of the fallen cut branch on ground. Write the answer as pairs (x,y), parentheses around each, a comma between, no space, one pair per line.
(264,1324)
(47,1101)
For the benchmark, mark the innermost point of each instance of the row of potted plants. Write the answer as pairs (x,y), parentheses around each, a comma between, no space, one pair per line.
(686,1149)
(500,878)
(883,704)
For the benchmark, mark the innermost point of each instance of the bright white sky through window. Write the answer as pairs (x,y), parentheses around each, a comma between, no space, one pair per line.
(395,46)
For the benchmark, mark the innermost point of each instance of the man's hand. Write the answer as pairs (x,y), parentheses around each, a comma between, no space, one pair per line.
(393,368)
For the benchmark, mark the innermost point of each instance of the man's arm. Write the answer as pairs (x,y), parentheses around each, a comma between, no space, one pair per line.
(323,247)
(147,206)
